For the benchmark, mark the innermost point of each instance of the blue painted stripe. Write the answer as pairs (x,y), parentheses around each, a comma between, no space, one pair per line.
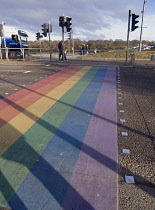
(46,185)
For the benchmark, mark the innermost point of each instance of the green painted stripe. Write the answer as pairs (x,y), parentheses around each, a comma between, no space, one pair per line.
(20,157)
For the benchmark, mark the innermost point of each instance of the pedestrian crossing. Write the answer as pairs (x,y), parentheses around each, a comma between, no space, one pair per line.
(59,142)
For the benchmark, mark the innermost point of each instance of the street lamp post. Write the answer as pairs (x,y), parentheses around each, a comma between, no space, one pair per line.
(140,43)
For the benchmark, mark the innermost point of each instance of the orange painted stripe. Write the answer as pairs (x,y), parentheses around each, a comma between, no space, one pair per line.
(22,93)
(14,109)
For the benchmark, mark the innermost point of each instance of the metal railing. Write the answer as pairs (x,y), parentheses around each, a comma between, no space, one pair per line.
(134,56)
(119,56)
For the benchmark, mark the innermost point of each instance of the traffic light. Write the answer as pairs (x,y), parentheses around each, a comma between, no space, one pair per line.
(68,24)
(69,35)
(38,36)
(61,21)
(134,22)
(44,29)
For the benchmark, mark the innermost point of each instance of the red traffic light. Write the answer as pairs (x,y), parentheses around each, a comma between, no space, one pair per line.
(61,18)
(61,21)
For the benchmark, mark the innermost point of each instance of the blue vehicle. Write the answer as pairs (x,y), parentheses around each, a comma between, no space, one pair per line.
(16,43)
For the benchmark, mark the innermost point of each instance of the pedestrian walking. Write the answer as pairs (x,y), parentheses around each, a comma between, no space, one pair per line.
(83,49)
(60,47)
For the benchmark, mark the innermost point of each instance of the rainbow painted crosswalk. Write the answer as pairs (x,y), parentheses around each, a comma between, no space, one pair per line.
(58,142)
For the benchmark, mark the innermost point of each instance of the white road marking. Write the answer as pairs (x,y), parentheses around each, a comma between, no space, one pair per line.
(129,179)
(124,133)
(122,120)
(126,151)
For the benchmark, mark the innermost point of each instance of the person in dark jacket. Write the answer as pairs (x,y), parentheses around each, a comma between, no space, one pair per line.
(60,47)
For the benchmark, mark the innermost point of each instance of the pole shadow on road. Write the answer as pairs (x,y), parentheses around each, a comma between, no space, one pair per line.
(18,150)
(21,152)
(19,108)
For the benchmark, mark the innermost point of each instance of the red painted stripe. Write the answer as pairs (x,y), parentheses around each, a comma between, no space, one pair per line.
(22,93)
(11,111)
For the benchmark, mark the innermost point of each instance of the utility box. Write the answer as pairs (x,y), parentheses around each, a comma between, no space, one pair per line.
(152,57)
(132,61)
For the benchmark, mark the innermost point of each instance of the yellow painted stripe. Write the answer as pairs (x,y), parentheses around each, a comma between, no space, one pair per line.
(28,117)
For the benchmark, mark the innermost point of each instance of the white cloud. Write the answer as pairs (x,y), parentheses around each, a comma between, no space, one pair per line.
(101,19)
(149,31)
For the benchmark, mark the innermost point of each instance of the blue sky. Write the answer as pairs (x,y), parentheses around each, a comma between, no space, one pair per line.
(91,19)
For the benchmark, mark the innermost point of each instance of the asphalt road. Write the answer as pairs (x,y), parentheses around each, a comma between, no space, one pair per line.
(15,77)
(136,105)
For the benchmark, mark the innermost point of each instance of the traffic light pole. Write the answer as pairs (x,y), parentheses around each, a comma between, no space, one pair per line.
(128,33)
(49,28)
(72,37)
(63,42)
(1,35)
(40,48)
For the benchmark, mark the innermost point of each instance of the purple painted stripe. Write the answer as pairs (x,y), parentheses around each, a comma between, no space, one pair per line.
(95,175)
